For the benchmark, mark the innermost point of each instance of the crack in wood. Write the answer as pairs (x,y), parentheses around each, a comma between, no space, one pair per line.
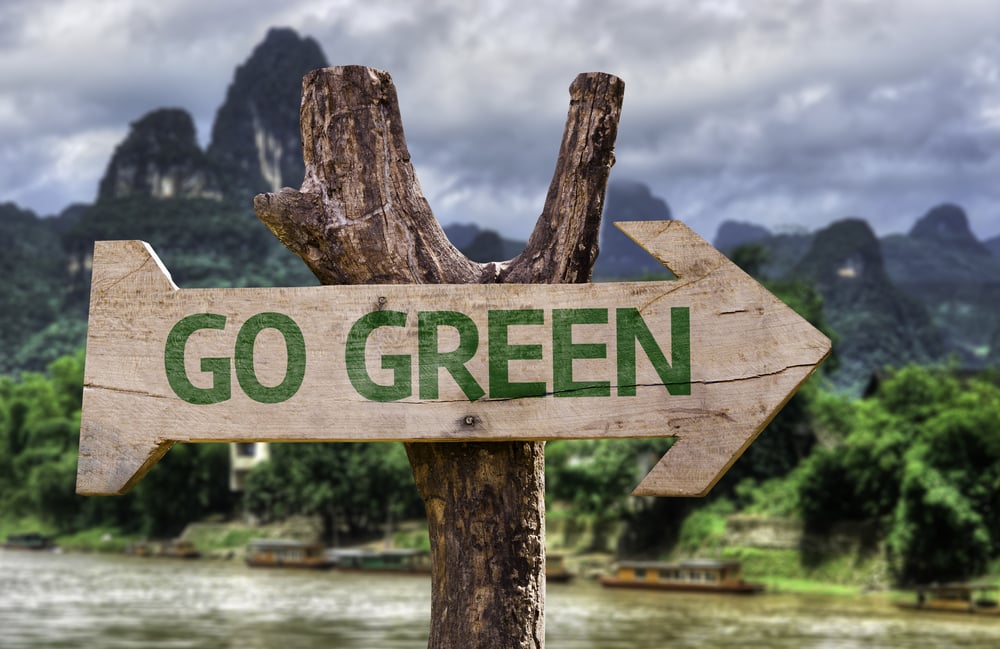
(141,393)
(755,377)
(126,276)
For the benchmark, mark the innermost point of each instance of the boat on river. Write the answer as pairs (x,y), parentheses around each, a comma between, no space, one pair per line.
(696,575)
(981,599)
(28,541)
(555,569)
(400,560)
(287,553)
(172,549)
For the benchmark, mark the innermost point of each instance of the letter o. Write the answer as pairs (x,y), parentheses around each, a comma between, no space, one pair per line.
(295,347)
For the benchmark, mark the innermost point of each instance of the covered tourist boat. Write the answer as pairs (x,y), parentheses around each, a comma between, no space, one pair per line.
(392,560)
(173,549)
(704,576)
(555,569)
(286,553)
(28,541)
(955,598)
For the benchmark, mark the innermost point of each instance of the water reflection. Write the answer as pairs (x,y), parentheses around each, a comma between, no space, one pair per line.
(616,619)
(56,601)
(118,602)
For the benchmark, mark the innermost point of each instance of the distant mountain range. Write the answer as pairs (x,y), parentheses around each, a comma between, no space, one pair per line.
(929,296)
(993,245)
(619,256)
(194,206)
(926,296)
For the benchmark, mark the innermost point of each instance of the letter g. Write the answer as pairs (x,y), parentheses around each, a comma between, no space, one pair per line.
(173,360)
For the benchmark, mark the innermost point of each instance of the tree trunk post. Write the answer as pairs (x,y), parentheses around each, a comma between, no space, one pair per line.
(361,218)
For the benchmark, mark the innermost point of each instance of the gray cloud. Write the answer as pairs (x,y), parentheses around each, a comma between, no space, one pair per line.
(791,112)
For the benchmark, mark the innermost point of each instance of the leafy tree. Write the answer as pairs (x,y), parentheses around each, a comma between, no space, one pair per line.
(937,532)
(355,487)
(923,458)
(704,527)
(595,478)
(39,435)
(39,425)
(190,482)
(860,478)
(52,488)
(591,475)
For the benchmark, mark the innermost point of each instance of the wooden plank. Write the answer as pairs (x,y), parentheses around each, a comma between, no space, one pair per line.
(291,374)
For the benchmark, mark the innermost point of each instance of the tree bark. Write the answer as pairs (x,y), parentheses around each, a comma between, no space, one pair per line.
(361,218)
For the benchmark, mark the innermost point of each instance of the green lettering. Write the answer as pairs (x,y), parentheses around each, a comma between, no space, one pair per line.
(502,352)
(631,327)
(564,350)
(295,348)
(430,359)
(173,361)
(400,364)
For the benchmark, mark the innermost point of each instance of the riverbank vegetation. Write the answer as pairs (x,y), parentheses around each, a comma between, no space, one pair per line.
(912,470)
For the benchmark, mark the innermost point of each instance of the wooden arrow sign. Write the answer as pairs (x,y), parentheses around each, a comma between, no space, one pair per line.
(708,358)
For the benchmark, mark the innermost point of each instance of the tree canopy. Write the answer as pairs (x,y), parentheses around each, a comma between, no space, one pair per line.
(922,457)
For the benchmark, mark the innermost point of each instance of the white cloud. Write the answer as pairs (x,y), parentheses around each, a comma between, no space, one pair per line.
(784,111)
(58,170)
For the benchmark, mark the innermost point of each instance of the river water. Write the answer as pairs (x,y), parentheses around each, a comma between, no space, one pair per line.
(56,601)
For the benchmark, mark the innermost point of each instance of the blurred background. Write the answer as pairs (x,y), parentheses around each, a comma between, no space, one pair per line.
(845,155)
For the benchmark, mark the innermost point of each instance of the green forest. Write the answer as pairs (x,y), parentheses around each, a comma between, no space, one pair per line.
(916,461)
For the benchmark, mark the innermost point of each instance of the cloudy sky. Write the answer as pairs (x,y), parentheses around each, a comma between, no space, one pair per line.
(789,113)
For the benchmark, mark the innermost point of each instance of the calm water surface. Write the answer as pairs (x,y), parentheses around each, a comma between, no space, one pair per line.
(53,601)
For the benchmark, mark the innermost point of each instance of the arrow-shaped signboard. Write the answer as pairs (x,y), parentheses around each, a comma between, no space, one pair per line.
(708,358)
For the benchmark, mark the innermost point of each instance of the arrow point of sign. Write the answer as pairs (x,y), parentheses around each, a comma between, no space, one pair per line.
(751,394)
(112,462)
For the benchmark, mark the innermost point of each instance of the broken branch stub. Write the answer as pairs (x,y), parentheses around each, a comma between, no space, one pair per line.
(360,216)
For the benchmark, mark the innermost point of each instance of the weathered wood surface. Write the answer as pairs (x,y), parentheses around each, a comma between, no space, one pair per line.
(746,350)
